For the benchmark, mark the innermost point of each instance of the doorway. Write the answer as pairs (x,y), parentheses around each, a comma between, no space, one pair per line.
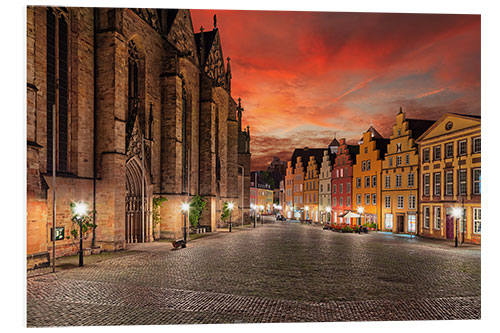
(401,223)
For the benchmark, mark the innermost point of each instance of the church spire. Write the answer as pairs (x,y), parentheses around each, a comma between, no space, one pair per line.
(228,75)
(239,109)
(202,46)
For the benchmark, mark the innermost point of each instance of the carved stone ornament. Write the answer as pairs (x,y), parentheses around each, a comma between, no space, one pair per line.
(149,15)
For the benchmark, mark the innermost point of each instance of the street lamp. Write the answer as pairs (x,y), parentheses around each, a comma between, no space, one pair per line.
(80,210)
(361,209)
(185,210)
(457,212)
(230,206)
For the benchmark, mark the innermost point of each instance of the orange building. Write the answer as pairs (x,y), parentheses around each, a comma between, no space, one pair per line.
(366,177)
(289,182)
(311,190)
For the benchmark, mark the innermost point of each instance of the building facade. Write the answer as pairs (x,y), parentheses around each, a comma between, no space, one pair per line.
(136,106)
(342,185)
(289,191)
(311,190)
(450,179)
(400,171)
(325,194)
(366,176)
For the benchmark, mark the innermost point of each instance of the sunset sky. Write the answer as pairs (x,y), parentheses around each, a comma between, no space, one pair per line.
(304,75)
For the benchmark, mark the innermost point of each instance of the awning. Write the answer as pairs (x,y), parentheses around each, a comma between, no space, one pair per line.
(349,215)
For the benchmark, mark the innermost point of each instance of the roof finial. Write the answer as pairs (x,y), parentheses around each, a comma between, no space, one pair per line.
(215,21)
(400,109)
(239,102)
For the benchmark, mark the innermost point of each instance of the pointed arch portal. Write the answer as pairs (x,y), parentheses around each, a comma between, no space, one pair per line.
(138,218)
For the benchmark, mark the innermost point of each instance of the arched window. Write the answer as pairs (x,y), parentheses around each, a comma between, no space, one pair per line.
(57,87)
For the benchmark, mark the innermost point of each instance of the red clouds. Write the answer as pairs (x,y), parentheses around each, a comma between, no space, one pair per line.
(304,75)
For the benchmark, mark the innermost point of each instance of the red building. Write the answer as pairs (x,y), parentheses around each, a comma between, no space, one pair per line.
(342,182)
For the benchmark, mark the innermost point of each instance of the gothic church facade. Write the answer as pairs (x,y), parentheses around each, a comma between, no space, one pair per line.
(143,108)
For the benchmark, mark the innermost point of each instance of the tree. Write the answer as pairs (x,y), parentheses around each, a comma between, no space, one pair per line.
(225,212)
(83,220)
(196,208)
(156,211)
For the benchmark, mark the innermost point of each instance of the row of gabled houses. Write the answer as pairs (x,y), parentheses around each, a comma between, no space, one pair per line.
(424,179)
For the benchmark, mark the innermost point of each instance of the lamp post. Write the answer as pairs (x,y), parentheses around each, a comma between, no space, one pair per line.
(185,211)
(230,206)
(456,214)
(80,210)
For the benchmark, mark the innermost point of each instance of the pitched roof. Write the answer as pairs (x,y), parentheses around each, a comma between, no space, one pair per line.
(305,152)
(208,37)
(334,143)
(418,126)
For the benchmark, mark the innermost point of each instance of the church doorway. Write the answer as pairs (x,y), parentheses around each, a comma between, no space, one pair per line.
(138,217)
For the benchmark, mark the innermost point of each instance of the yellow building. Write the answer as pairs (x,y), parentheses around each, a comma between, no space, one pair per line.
(366,177)
(400,176)
(311,190)
(450,178)
(265,200)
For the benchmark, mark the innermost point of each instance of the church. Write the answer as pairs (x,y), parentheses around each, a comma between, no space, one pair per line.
(127,105)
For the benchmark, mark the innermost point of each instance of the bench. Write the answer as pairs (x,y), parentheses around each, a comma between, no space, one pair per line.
(179,243)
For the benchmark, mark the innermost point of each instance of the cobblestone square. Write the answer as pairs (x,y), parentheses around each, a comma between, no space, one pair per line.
(275,273)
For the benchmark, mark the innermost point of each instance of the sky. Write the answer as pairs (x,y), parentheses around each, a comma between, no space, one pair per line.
(305,77)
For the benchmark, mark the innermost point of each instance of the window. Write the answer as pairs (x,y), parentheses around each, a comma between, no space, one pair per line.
(462,179)
(412,199)
(368,165)
(387,201)
(398,147)
(462,147)
(390,161)
(348,187)
(401,202)
(426,216)
(334,188)
(367,199)
(374,181)
(427,184)
(476,145)
(425,155)
(407,159)
(358,182)
(388,221)
(348,202)
(366,150)
(358,199)
(399,132)
(57,88)
(334,202)
(398,160)
(437,217)
(411,180)
(448,150)
(398,180)
(437,153)
(476,189)
(477,220)
(449,183)
(367,181)
(437,183)
(341,188)
(328,187)
(374,199)
(321,187)
(341,172)
(387,181)
(363,166)
(341,202)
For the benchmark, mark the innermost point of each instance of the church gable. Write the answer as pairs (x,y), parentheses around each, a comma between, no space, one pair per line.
(180,33)
(448,123)
(214,65)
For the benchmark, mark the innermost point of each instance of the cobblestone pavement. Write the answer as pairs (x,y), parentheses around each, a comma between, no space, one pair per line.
(274,273)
